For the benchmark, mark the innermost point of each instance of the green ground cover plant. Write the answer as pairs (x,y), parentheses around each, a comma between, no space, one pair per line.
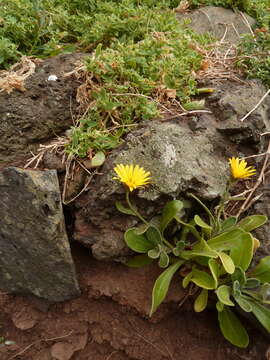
(212,253)
(141,58)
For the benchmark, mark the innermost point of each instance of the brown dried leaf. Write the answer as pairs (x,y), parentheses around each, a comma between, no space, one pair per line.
(205,65)
(182,7)
(170,93)
(14,77)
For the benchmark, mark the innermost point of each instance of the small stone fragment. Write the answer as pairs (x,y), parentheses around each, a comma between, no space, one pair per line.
(24,319)
(62,351)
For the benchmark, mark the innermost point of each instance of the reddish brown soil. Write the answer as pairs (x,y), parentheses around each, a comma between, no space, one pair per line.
(109,322)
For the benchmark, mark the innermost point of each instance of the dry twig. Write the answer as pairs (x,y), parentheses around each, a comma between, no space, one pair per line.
(260,179)
(37,342)
(256,106)
(187,113)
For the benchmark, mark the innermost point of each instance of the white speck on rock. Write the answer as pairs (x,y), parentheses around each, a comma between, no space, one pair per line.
(169,157)
(52,78)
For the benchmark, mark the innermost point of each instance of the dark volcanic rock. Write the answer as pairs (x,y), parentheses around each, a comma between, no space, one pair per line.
(41,112)
(35,254)
(231,102)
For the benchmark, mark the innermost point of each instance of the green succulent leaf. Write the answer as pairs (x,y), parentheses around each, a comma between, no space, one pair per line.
(162,285)
(265,291)
(253,294)
(200,222)
(171,209)
(227,240)
(163,260)
(201,301)
(228,223)
(236,288)
(187,280)
(153,235)
(232,329)
(203,279)
(252,283)
(190,254)
(137,243)
(242,253)
(252,222)
(98,159)
(261,313)
(123,209)
(154,253)
(240,276)
(262,270)
(139,261)
(227,262)
(141,229)
(214,268)
(200,249)
(180,245)
(223,294)
(243,303)
(219,306)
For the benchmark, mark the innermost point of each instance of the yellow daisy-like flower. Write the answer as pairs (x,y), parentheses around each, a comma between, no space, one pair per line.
(239,168)
(132,176)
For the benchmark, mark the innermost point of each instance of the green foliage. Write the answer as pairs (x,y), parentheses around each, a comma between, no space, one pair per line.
(261,271)
(232,329)
(9,52)
(215,259)
(88,138)
(162,284)
(254,58)
(138,243)
(200,303)
(139,49)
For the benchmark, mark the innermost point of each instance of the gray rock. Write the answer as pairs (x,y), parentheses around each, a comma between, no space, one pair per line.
(179,159)
(232,101)
(219,22)
(35,255)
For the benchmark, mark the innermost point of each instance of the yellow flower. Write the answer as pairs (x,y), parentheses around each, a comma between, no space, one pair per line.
(239,168)
(132,176)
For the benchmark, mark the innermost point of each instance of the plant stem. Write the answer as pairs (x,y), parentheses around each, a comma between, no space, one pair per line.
(223,200)
(167,243)
(191,228)
(133,209)
(211,216)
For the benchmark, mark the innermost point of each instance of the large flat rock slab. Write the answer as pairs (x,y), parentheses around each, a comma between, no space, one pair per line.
(222,23)
(35,255)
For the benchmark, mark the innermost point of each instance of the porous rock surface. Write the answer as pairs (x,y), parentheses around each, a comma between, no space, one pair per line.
(180,160)
(230,103)
(224,24)
(40,113)
(183,155)
(34,250)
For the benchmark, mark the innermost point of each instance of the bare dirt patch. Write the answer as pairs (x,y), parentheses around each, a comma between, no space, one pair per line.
(109,322)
